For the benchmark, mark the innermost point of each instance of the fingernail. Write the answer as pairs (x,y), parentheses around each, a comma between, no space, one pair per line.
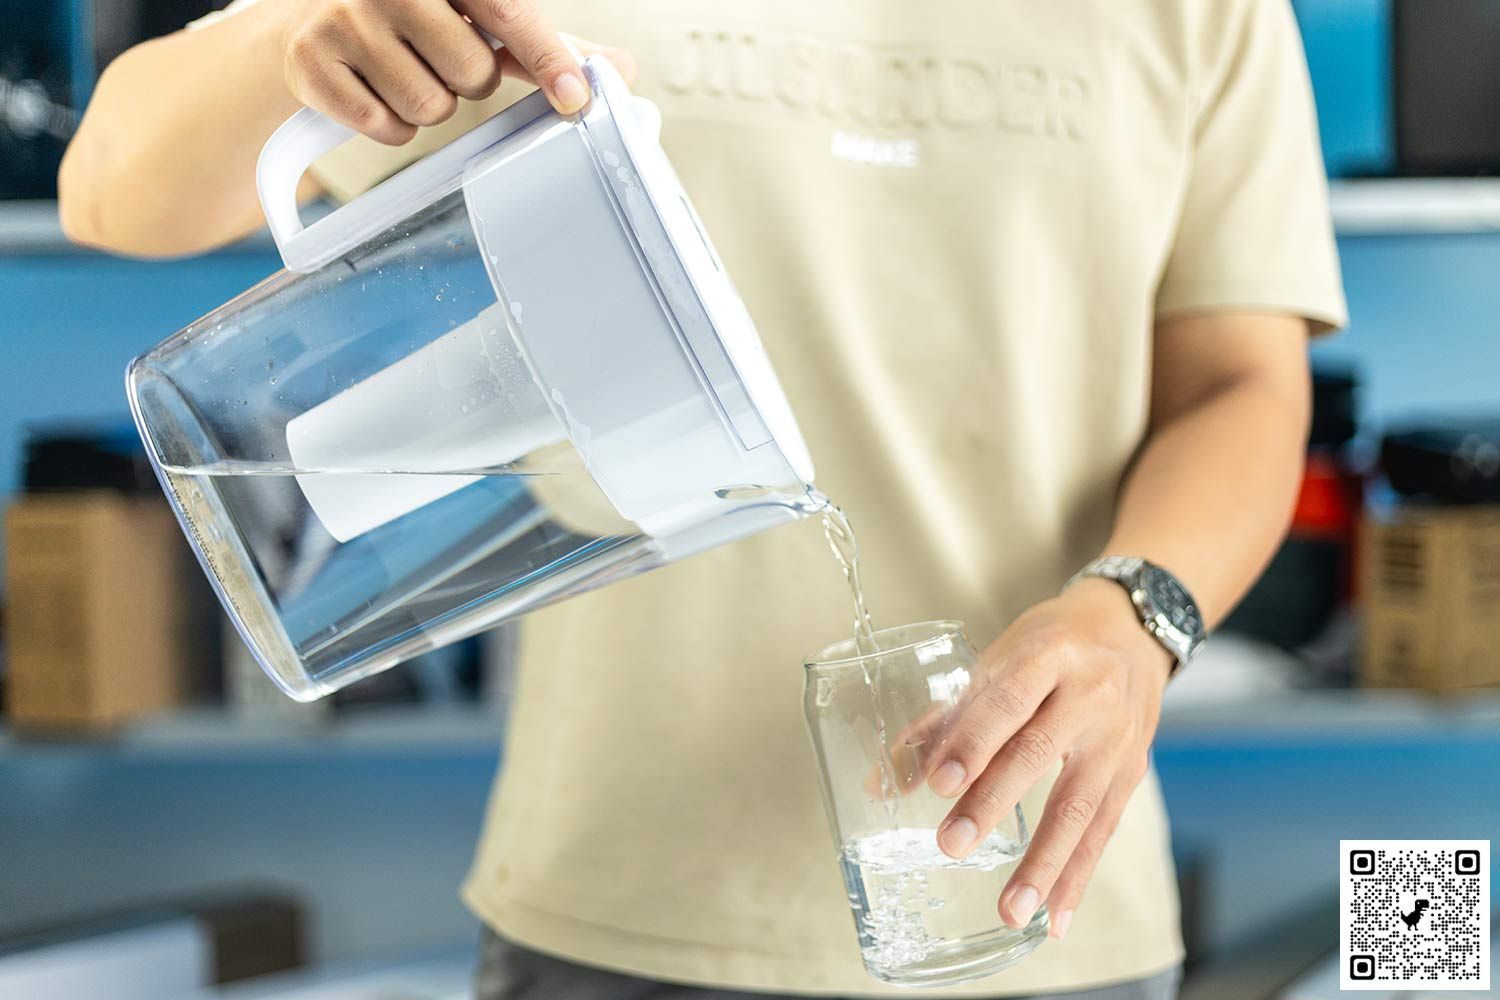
(1060,922)
(948,779)
(958,836)
(571,92)
(1023,903)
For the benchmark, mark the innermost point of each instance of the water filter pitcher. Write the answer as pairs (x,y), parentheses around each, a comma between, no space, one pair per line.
(513,372)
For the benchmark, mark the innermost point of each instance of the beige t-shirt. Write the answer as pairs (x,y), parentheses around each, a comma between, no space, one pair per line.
(954,225)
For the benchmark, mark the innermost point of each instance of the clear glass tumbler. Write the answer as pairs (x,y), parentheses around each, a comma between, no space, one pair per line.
(877,719)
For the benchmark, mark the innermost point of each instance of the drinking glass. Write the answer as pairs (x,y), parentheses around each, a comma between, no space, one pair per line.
(878,718)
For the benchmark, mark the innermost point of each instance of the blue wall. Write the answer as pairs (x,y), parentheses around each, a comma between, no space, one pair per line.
(1348,46)
(1424,327)
(73,321)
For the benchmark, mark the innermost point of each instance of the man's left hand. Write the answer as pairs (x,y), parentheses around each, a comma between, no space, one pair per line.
(1077,679)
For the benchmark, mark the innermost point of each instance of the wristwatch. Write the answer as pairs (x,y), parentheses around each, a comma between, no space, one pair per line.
(1164,604)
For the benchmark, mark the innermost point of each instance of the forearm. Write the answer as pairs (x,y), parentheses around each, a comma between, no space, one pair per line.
(164,160)
(1211,491)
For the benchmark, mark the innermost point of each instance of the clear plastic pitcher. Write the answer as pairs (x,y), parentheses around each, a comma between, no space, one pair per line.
(513,372)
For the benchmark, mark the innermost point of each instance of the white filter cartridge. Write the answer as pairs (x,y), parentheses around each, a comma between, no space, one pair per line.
(420,429)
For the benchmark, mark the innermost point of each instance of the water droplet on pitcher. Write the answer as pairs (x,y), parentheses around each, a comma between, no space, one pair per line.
(935,903)
(273,379)
(825,692)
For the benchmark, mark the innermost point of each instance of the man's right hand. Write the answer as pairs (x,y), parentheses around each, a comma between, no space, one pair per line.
(385,67)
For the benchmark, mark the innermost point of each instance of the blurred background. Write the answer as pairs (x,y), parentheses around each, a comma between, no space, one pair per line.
(168,818)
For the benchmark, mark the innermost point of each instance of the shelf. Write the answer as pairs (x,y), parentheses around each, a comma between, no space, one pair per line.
(1417,206)
(1345,716)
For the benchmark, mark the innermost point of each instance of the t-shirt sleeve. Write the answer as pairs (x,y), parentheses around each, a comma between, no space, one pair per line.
(1254,230)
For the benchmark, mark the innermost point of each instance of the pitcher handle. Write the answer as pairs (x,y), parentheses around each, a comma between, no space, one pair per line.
(292,148)
(308,135)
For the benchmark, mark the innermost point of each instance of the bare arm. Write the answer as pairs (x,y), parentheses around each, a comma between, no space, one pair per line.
(1077,678)
(164,161)
(1211,494)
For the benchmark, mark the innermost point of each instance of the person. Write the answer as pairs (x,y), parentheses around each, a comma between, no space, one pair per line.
(1038,279)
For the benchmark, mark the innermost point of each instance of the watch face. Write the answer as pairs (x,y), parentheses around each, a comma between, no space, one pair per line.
(1172,603)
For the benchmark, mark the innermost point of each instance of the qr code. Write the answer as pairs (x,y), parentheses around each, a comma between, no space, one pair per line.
(1414,914)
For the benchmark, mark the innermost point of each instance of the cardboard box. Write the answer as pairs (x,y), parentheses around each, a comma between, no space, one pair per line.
(100,606)
(1431,593)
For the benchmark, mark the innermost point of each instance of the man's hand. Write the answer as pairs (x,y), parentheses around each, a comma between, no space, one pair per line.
(1075,679)
(385,67)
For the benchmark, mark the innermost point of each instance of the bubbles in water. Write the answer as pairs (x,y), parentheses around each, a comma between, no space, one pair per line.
(273,379)
(896,909)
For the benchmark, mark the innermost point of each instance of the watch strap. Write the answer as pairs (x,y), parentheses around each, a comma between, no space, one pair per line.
(1128,571)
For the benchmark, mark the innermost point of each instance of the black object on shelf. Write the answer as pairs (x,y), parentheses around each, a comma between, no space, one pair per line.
(1335,392)
(36,119)
(245,933)
(86,457)
(1444,461)
(1309,577)
(1446,83)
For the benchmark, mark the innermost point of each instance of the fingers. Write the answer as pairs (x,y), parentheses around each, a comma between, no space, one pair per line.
(988,722)
(404,82)
(334,88)
(1067,891)
(1024,759)
(535,46)
(1071,807)
(385,68)
(453,48)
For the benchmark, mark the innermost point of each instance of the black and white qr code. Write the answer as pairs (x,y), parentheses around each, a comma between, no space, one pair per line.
(1414,914)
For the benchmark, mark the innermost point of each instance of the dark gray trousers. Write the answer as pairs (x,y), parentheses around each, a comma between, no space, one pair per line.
(510,972)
